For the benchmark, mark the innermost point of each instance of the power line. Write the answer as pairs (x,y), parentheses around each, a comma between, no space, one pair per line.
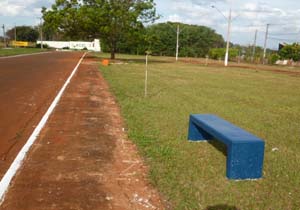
(285,34)
(257,11)
(281,39)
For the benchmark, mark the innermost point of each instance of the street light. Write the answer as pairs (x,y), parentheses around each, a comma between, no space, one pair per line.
(229,20)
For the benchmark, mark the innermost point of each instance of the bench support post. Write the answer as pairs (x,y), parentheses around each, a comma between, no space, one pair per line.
(196,133)
(245,160)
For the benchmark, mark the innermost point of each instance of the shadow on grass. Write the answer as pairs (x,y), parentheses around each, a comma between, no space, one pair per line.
(219,146)
(221,207)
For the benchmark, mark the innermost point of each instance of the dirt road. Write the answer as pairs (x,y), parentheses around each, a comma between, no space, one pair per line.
(83,159)
(28,85)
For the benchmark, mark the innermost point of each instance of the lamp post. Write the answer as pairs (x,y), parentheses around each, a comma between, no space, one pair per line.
(229,20)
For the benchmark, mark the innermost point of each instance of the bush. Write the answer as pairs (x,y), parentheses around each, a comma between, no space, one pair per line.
(45,46)
(84,48)
(219,53)
(66,48)
(274,58)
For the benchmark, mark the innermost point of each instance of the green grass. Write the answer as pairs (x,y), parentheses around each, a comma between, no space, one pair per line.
(192,175)
(19,51)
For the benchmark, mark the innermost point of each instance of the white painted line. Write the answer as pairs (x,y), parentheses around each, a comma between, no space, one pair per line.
(5,182)
(23,55)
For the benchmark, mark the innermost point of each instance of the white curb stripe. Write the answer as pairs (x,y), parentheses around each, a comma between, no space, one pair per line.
(5,182)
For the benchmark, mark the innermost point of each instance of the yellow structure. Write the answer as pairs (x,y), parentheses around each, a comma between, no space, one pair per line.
(20,44)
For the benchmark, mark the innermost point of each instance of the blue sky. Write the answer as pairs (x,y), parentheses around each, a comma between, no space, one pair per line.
(248,15)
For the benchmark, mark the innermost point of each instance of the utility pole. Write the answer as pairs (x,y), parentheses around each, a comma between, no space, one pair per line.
(41,35)
(265,45)
(4,39)
(254,46)
(228,39)
(15,32)
(15,44)
(177,42)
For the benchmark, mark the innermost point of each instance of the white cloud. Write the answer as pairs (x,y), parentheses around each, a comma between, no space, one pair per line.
(13,8)
(9,9)
(188,12)
(175,18)
(248,16)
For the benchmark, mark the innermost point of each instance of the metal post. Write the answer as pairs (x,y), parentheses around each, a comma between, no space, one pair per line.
(228,39)
(177,42)
(265,45)
(146,76)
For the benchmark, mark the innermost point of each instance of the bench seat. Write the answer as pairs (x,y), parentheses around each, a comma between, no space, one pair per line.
(245,152)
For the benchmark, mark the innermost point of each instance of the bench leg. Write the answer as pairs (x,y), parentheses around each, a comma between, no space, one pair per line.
(197,134)
(245,160)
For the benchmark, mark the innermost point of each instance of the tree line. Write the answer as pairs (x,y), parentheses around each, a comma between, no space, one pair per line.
(160,39)
(23,33)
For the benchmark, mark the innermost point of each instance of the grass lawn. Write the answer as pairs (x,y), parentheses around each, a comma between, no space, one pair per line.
(192,175)
(19,51)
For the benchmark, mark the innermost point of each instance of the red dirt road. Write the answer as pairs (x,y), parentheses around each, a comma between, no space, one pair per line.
(82,159)
(28,85)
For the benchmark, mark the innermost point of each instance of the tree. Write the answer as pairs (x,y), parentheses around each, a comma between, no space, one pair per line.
(290,52)
(112,20)
(194,41)
(24,33)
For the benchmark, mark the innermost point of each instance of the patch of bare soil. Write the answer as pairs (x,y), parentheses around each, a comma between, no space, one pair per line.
(83,159)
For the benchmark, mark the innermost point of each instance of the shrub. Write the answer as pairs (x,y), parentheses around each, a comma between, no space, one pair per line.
(274,58)
(219,53)
(45,46)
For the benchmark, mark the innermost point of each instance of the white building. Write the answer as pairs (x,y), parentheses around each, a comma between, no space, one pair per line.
(93,46)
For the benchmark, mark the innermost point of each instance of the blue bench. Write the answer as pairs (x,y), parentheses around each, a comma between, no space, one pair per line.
(245,152)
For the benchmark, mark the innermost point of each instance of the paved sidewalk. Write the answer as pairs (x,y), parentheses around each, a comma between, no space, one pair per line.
(83,159)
